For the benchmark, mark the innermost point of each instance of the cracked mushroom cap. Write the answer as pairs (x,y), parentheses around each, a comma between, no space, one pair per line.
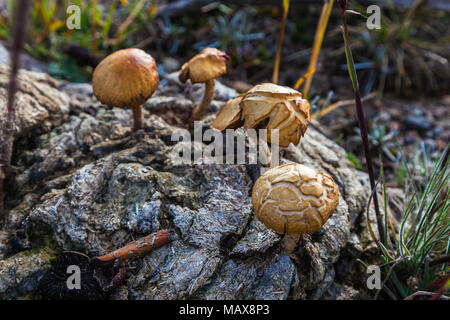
(125,78)
(294,199)
(229,116)
(282,107)
(209,64)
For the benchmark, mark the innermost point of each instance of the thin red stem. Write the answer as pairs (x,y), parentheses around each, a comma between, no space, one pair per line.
(365,140)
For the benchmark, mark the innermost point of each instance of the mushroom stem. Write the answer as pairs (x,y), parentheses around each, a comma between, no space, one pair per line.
(137,117)
(204,104)
(140,246)
(290,242)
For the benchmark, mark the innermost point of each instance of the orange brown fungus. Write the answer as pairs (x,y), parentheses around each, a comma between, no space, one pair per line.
(126,79)
(205,67)
(294,199)
(284,108)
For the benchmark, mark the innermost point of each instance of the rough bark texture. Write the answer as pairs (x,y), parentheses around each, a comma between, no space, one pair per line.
(85,182)
(39,104)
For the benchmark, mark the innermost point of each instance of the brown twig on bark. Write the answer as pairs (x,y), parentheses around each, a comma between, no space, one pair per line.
(140,246)
(7,132)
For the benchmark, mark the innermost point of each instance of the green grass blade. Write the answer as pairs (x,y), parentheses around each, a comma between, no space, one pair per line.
(350,62)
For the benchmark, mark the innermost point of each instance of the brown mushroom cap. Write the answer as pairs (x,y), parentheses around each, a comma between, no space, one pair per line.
(209,64)
(294,199)
(125,78)
(285,108)
(229,116)
(288,112)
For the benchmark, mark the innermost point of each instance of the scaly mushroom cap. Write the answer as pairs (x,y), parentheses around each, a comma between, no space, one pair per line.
(229,116)
(294,199)
(285,108)
(209,64)
(288,112)
(125,78)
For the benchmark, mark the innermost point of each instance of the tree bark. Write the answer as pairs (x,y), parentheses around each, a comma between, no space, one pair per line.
(7,133)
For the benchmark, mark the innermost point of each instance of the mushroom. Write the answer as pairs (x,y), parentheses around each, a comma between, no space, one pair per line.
(205,67)
(294,199)
(126,79)
(282,107)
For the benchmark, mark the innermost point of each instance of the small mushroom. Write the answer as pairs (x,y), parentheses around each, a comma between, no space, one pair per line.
(205,67)
(294,199)
(282,107)
(126,78)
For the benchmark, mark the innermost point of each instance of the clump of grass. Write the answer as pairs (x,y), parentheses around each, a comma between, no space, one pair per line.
(416,254)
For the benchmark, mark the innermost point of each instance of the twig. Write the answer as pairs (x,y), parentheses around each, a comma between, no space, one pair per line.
(7,134)
(140,246)
(424,293)
(320,32)
(300,80)
(128,21)
(280,42)
(369,226)
(341,103)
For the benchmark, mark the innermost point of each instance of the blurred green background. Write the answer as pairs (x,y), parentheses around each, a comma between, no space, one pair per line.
(407,55)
